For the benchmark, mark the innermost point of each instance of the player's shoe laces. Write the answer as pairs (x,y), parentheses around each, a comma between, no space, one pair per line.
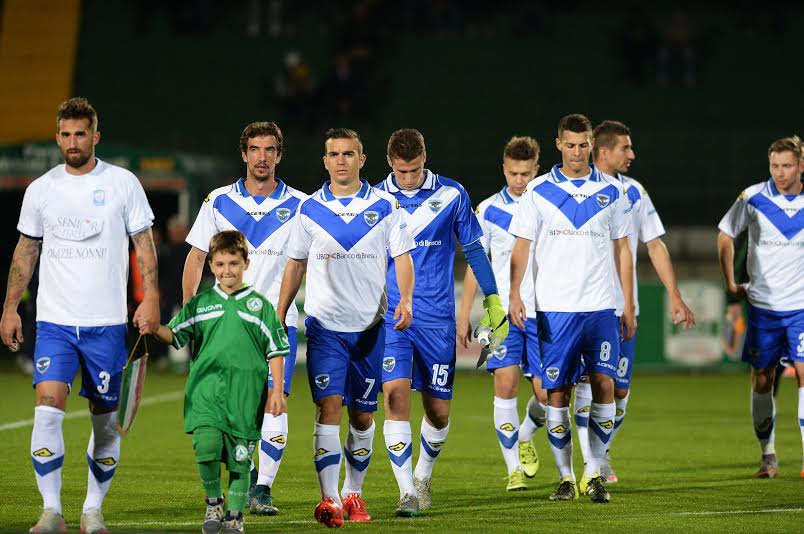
(596,489)
(354,509)
(608,473)
(261,501)
(213,519)
(233,524)
(329,513)
(425,491)
(92,522)
(516,481)
(408,506)
(51,522)
(769,467)
(528,458)
(566,491)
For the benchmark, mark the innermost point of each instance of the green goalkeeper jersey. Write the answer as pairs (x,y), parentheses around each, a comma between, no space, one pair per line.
(234,336)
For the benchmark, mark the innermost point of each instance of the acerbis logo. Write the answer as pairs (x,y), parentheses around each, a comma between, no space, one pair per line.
(361,452)
(585,409)
(619,412)
(560,429)
(398,447)
(436,445)
(321,451)
(277,439)
(608,424)
(42,453)
(322,381)
(507,427)
(106,461)
(283,214)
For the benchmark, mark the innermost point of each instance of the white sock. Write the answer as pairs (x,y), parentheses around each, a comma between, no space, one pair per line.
(763,412)
(506,422)
(801,412)
(358,451)
(583,402)
(559,432)
(272,447)
(399,444)
(103,454)
(535,418)
(47,451)
(619,416)
(432,441)
(327,458)
(601,423)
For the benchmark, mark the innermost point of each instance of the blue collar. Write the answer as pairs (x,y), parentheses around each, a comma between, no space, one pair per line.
(772,191)
(278,193)
(559,177)
(364,192)
(428,183)
(506,196)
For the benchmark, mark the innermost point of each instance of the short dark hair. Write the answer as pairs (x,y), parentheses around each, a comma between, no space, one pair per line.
(343,133)
(230,241)
(77,108)
(521,149)
(605,134)
(787,144)
(259,129)
(406,144)
(575,122)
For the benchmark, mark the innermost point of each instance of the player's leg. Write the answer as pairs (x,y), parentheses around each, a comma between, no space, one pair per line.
(795,350)
(56,364)
(800,379)
(273,440)
(362,387)
(622,386)
(536,409)
(581,406)
(237,456)
(209,449)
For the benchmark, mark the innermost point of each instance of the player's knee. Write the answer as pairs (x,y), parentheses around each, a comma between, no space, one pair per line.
(620,393)
(762,380)
(360,420)
(208,444)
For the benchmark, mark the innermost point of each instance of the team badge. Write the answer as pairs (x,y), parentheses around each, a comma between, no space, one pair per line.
(398,447)
(435,205)
(283,214)
(602,200)
(240,453)
(501,351)
(322,381)
(507,427)
(551,372)
(254,304)
(99,197)
(608,425)
(42,453)
(361,452)
(42,364)
(106,461)
(559,429)
(388,363)
(371,217)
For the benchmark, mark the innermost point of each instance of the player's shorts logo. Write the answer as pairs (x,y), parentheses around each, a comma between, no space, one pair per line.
(240,453)
(42,453)
(560,429)
(99,197)
(371,217)
(507,427)
(277,439)
(500,353)
(254,304)
(361,452)
(283,214)
(435,205)
(398,447)
(388,363)
(106,461)
(602,200)
(42,364)
(551,373)
(322,381)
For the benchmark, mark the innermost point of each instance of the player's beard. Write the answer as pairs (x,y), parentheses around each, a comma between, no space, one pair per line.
(264,175)
(76,160)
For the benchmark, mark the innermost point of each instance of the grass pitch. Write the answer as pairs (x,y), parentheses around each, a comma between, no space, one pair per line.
(685,457)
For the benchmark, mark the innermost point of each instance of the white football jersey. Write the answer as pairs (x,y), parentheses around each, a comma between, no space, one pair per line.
(572,223)
(346,242)
(266,223)
(84,223)
(495,215)
(775,245)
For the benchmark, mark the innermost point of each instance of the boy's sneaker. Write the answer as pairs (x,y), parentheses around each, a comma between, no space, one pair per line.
(233,524)
(92,522)
(566,491)
(528,458)
(769,467)
(408,506)
(51,522)
(516,481)
(261,501)
(213,520)
(596,489)
(329,513)
(424,490)
(608,473)
(354,509)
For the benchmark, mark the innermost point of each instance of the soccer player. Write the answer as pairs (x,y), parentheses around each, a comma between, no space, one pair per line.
(572,215)
(235,330)
(612,154)
(521,348)
(261,206)
(342,237)
(773,213)
(436,211)
(80,216)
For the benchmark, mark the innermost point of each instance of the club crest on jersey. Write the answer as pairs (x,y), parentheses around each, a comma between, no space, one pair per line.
(551,372)
(241,453)
(371,217)
(322,381)
(361,452)
(398,447)
(99,197)
(602,200)
(507,427)
(42,364)
(254,304)
(501,351)
(388,363)
(435,205)
(283,214)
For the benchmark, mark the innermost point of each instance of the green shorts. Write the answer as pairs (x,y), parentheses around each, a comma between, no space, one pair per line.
(213,444)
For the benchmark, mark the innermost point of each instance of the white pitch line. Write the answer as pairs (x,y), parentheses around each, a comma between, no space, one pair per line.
(147,401)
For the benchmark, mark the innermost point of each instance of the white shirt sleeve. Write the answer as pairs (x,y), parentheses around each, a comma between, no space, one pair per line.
(138,213)
(736,219)
(621,222)
(650,225)
(398,238)
(30,222)
(204,227)
(300,238)
(526,218)
(485,239)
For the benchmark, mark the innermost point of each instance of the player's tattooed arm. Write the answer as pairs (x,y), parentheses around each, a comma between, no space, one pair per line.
(19,275)
(147,315)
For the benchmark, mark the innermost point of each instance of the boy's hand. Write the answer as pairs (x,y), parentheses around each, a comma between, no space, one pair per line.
(276,402)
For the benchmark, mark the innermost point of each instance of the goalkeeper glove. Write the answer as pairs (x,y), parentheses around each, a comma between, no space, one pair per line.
(496,319)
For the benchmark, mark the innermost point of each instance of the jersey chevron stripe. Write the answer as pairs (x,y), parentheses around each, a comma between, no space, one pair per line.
(577,213)
(788,226)
(197,319)
(256,231)
(499,217)
(346,234)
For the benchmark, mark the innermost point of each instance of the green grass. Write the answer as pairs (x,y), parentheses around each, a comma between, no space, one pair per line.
(684,457)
